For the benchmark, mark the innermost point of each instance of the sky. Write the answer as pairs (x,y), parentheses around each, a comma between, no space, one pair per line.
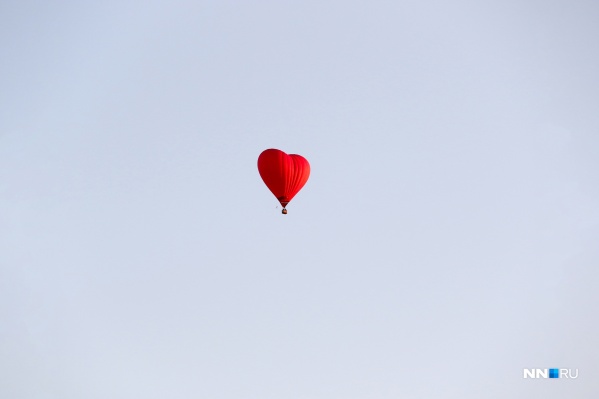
(446,239)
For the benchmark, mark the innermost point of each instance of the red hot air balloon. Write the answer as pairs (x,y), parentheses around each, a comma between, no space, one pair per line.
(283,174)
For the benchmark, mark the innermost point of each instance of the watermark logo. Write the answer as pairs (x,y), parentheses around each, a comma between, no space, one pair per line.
(550,373)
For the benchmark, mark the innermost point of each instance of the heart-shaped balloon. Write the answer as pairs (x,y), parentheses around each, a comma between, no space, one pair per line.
(283,174)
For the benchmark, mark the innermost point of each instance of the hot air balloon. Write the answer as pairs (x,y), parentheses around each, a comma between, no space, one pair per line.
(284,174)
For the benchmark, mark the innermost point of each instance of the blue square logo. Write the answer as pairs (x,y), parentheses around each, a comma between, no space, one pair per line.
(553,373)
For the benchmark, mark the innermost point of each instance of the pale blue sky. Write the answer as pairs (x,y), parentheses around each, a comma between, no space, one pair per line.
(447,237)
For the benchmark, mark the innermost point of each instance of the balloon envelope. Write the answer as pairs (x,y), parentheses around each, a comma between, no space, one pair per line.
(284,174)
